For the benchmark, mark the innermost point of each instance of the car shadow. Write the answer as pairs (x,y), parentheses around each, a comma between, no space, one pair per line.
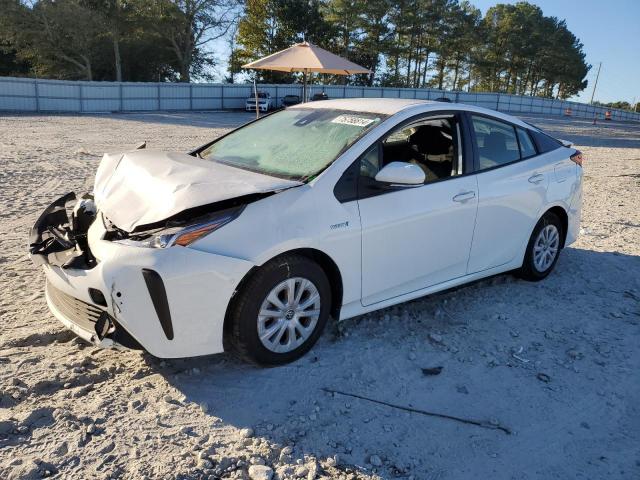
(471,332)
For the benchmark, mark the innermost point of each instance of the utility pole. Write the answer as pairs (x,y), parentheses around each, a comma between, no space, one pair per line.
(595,84)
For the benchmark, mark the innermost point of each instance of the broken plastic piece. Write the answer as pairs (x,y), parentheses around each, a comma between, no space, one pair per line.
(432,371)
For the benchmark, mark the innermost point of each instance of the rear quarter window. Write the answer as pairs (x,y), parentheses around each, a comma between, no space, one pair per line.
(544,142)
(526,144)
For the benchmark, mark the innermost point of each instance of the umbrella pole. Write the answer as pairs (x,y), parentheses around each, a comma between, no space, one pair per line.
(304,88)
(255,95)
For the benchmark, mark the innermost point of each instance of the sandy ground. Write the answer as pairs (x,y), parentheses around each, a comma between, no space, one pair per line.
(554,363)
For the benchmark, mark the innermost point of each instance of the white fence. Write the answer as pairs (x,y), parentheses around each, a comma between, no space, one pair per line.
(31,95)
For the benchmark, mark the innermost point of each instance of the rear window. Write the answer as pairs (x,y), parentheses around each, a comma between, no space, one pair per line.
(544,142)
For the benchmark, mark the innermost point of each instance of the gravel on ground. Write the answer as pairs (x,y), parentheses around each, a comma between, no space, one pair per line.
(555,363)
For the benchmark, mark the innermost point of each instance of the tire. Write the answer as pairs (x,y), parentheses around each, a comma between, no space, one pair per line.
(245,324)
(532,268)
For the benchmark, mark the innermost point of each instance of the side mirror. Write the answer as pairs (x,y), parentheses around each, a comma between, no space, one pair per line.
(401,173)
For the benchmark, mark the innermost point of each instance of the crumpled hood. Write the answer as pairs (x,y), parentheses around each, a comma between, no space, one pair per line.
(145,186)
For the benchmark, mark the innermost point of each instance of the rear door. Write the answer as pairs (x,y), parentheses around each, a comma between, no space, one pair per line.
(512,184)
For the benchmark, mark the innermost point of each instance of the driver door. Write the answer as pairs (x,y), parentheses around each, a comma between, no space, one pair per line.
(414,237)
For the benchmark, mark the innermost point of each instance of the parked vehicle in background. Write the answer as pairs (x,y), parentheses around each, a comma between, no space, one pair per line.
(250,242)
(264,102)
(443,99)
(289,100)
(319,96)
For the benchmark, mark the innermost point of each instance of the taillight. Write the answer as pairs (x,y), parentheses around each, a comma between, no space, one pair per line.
(577,157)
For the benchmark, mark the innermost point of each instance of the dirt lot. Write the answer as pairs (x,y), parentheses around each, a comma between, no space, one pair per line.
(555,363)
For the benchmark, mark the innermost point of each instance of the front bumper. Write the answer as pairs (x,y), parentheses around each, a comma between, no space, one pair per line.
(252,108)
(171,302)
(88,321)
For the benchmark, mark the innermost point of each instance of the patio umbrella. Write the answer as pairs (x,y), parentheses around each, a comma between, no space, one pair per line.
(305,57)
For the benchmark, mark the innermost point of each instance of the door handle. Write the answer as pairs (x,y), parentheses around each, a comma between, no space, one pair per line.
(464,196)
(537,178)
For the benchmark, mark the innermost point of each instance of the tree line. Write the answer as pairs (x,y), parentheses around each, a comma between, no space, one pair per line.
(445,44)
(130,40)
(621,105)
(423,43)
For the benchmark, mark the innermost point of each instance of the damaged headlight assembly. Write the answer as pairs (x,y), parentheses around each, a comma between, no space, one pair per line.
(182,235)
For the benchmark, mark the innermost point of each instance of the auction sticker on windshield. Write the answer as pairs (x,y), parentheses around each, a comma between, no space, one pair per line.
(353,120)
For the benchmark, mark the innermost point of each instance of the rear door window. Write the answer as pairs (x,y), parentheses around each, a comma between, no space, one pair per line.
(496,141)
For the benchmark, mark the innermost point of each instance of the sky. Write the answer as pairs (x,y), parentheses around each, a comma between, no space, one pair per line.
(609,30)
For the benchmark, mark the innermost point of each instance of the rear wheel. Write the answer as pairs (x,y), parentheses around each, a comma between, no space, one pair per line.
(280,312)
(543,248)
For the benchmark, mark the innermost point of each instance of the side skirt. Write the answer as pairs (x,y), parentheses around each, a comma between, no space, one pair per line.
(355,308)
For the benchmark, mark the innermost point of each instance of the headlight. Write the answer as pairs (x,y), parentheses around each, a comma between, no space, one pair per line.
(183,235)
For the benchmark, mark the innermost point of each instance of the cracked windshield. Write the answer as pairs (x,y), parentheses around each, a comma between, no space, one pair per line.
(294,143)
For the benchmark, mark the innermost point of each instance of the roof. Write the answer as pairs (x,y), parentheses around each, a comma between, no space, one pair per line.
(383,106)
(391,106)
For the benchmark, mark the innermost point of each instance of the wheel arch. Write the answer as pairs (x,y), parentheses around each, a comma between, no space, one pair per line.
(561,213)
(327,264)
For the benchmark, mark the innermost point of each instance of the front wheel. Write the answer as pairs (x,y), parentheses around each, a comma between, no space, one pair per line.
(543,248)
(280,312)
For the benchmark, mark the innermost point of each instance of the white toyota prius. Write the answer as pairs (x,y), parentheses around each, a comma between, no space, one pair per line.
(251,242)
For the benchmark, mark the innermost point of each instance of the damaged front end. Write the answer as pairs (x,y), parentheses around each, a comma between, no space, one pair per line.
(59,239)
(55,239)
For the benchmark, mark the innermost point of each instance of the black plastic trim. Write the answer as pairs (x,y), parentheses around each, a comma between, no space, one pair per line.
(539,137)
(158,294)
(124,338)
(97,297)
(346,188)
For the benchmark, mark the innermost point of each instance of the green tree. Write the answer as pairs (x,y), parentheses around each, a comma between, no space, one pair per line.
(76,39)
(456,44)
(525,52)
(58,37)
(514,48)
(361,33)
(189,26)
(117,18)
(268,26)
(11,61)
